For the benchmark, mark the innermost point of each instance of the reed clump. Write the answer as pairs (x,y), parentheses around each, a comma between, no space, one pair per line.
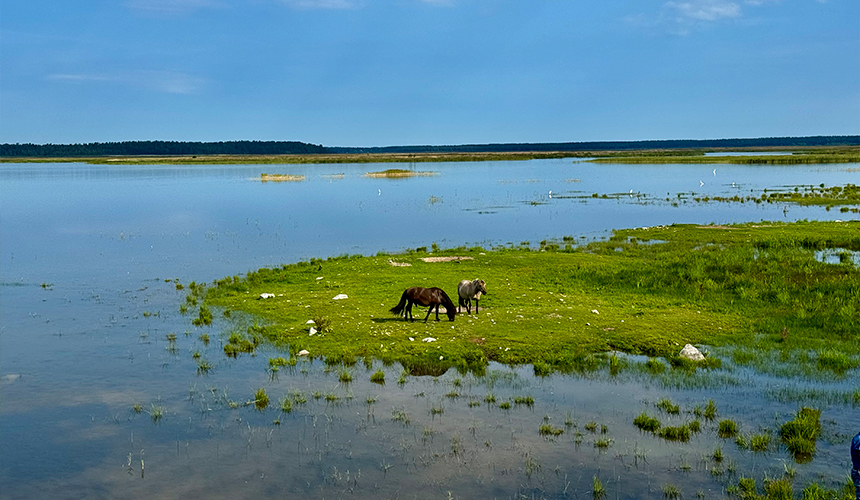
(799,435)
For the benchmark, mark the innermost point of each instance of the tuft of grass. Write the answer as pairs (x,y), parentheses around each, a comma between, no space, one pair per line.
(602,443)
(671,491)
(598,491)
(286,404)
(727,428)
(345,376)
(760,442)
(799,435)
(524,400)
(549,430)
(156,412)
(668,406)
(670,433)
(203,366)
(718,455)
(378,377)
(261,399)
(646,423)
(710,412)
(779,489)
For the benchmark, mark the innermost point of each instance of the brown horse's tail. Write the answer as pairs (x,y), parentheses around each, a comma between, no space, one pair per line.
(398,309)
(449,305)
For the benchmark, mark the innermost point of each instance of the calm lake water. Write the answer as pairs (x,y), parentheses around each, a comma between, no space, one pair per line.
(85,253)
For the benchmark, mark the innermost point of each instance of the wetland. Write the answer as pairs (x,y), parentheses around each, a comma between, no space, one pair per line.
(138,360)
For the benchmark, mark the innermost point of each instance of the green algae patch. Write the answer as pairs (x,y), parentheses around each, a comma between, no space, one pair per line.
(643,291)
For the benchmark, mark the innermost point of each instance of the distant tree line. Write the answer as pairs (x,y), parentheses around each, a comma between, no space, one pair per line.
(177,148)
(160,148)
(830,140)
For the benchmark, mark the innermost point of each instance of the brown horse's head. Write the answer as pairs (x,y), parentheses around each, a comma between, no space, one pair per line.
(451,312)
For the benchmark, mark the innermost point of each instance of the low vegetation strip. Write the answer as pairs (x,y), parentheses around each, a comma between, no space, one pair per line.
(643,291)
(837,155)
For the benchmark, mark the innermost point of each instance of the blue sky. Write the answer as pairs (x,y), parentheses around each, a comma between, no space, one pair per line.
(397,72)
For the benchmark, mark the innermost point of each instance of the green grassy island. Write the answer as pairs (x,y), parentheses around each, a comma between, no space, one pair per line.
(759,288)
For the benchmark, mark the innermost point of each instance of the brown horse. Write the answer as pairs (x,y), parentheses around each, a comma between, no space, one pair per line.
(432,297)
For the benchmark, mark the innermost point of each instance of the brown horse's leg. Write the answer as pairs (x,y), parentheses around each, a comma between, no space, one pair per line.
(408,313)
(430,310)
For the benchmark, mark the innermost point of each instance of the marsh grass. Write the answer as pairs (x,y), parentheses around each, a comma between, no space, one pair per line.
(549,430)
(668,406)
(646,423)
(727,428)
(378,377)
(739,285)
(261,399)
(671,491)
(675,433)
(799,435)
(598,491)
(759,442)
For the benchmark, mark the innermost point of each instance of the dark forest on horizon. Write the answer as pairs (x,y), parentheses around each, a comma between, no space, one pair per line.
(182,148)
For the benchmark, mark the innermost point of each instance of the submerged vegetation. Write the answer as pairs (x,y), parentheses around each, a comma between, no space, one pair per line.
(756,287)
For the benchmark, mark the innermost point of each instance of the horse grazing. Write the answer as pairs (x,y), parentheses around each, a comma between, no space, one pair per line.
(432,297)
(469,290)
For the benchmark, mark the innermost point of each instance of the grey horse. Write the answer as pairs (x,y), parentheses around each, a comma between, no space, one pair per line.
(469,290)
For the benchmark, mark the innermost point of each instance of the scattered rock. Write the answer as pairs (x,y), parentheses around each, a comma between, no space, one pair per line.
(340,296)
(267,296)
(399,264)
(303,352)
(428,339)
(310,322)
(691,353)
(313,331)
(595,311)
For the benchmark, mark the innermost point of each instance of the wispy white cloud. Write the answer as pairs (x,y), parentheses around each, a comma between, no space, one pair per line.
(172,7)
(704,10)
(321,4)
(168,82)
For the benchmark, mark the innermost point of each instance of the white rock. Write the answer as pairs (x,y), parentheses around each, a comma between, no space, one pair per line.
(691,353)
(595,311)
(340,296)
(313,331)
(411,339)
(267,295)
(303,352)
(319,278)
(310,322)
(428,339)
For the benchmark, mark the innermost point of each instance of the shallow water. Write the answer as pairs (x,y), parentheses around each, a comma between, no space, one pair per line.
(86,310)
